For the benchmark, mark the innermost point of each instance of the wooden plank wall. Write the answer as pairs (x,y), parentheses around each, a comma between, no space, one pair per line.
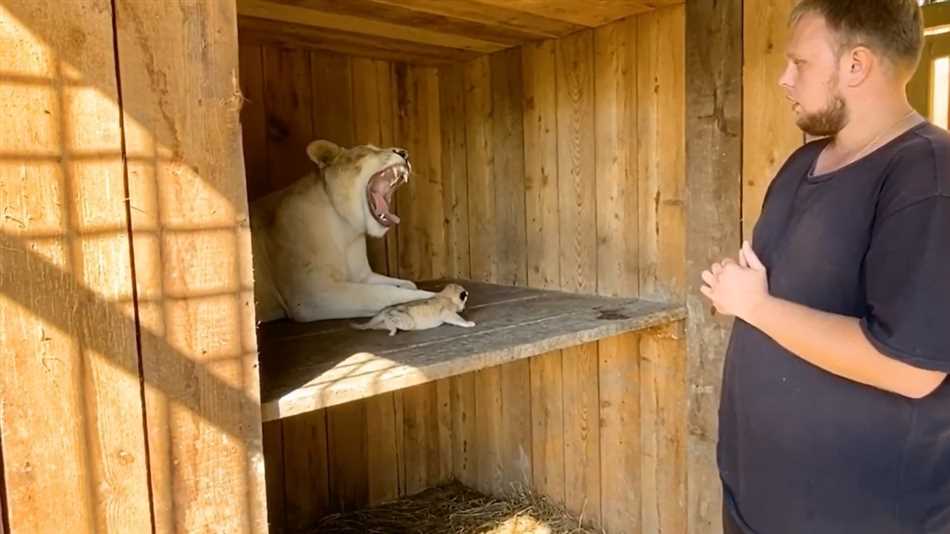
(130,390)
(556,165)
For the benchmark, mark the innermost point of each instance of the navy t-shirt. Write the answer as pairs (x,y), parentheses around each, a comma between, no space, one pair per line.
(804,451)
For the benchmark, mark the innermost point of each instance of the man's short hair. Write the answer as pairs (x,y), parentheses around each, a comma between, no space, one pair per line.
(891,28)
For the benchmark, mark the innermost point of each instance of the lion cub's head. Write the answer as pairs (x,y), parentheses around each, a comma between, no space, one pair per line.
(362,181)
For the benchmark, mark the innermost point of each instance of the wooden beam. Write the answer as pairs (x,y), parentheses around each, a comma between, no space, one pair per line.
(591,13)
(713,174)
(179,66)
(376,27)
(262,31)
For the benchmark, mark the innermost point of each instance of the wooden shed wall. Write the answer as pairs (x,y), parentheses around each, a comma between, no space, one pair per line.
(129,387)
(556,165)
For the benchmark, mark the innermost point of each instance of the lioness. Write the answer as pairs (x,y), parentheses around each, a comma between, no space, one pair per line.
(309,239)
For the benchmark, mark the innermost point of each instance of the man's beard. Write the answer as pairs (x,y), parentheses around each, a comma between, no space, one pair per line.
(827,122)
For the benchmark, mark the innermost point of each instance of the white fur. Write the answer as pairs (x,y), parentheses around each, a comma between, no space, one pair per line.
(309,242)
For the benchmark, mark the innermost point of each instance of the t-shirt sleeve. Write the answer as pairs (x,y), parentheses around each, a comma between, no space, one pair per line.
(907,277)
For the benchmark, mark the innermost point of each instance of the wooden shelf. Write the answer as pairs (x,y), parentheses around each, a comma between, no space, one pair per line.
(306,367)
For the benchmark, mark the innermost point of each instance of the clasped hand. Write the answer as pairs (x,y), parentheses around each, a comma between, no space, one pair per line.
(737,289)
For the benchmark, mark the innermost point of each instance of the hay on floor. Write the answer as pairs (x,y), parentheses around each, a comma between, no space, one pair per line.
(456,509)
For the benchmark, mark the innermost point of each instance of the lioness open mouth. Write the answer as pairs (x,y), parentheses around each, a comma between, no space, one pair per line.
(380,189)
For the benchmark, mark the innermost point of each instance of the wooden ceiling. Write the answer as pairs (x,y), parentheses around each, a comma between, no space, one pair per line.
(425,31)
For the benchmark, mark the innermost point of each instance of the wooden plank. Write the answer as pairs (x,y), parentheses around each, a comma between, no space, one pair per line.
(71,428)
(332,90)
(454,170)
(400,411)
(253,120)
(464,437)
(769,134)
(422,230)
(257,31)
(497,16)
(444,415)
(508,168)
(323,370)
(481,186)
(615,50)
(381,447)
(620,457)
(273,447)
(582,473)
(547,424)
(387,128)
(661,166)
(591,14)
(306,469)
(488,421)
(663,401)
(421,439)
(516,425)
(539,64)
(398,14)
(367,109)
(714,117)
(374,27)
(288,100)
(192,264)
(576,163)
(347,436)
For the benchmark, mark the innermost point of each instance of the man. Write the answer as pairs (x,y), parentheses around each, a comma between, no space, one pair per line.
(835,414)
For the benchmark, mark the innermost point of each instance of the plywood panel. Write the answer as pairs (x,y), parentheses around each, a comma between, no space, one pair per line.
(288,100)
(464,436)
(663,402)
(422,230)
(769,133)
(615,49)
(72,415)
(253,120)
(382,454)
(661,167)
(347,437)
(539,64)
(582,472)
(508,158)
(547,425)
(620,453)
(488,428)
(516,425)
(192,263)
(576,162)
(421,441)
(481,185)
(306,469)
(454,170)
(444,415)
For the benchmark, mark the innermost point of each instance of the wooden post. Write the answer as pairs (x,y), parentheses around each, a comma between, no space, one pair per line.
(713,175)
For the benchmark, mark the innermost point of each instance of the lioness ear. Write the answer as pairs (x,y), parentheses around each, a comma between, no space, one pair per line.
(323,152)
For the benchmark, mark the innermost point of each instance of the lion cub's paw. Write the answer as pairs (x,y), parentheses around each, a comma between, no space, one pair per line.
(468,324)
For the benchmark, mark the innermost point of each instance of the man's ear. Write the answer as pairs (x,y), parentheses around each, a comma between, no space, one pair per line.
(323,152)
(860,62)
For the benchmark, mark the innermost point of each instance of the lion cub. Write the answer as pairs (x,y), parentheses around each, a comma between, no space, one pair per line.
(444,307)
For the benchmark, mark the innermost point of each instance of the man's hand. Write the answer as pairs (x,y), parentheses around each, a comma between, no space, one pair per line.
(737,289)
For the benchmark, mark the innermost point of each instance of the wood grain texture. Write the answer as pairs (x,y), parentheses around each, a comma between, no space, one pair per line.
(508,168)
(481,179)
(288,99)
(769,133)
(488,428)
(576,162)
(714,120)
(71,422)
(192,263)
(454,170)
(516,426)
(254,120)
(547,425)
(620,453)
(615,51)
(539,67)
(592,13)
(273,447)
(332,93)
(306,469)
(421,439)
(382,454)
(661,166)
(582,462)
(663,403)
(464,436)
(348,456)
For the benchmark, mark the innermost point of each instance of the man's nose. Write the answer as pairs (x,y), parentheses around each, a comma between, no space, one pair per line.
(785,79)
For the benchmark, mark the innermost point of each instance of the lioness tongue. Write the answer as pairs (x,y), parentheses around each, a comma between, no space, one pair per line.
(382,208)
